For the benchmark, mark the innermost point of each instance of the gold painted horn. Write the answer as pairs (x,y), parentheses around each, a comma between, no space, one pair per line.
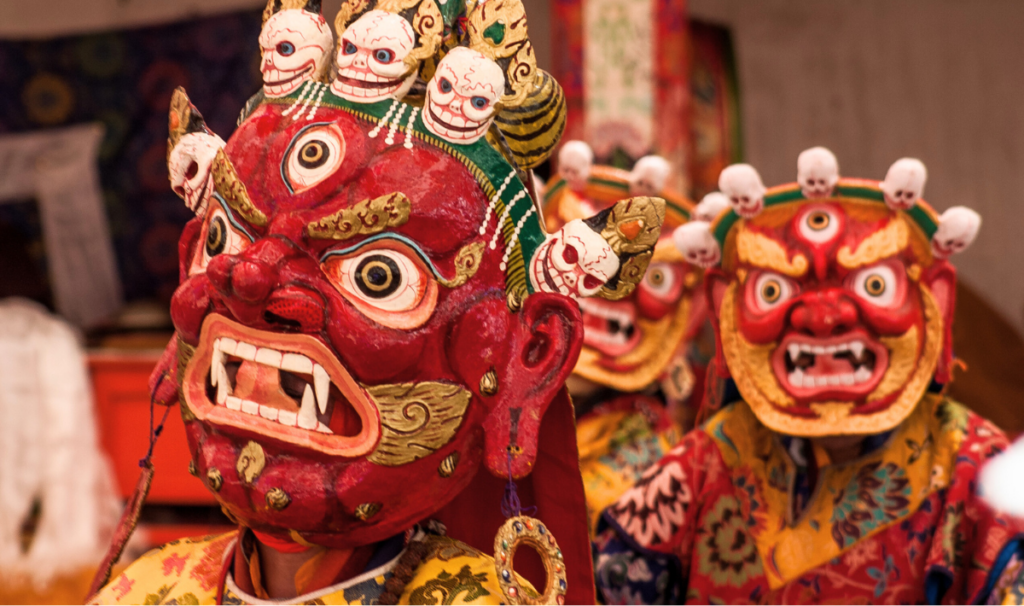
(184,118)
(276,6)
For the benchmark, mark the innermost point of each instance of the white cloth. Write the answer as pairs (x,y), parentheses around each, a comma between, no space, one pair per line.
(58,168)
(49,451)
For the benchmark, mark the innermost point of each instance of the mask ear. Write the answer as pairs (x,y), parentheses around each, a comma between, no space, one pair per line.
(545,337)
(940,279)
(715,284)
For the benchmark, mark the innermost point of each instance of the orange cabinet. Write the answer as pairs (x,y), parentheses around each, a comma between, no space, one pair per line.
(122,408)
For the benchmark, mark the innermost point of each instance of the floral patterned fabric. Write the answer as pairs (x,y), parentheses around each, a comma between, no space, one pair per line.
(712,522)
(617,441)
(196,571)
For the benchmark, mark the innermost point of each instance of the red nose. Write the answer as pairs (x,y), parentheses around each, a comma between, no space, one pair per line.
(256,289)
(823,313)
(246,280)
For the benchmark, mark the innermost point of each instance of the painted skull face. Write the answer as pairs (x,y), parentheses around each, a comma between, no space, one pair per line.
(463,95)
(344,330)
(189,167)
(371,58)
(817,172)
(576,260)
(832,315)
(743,186)
(575,161)
(296,46)
(904,183)
(629,343)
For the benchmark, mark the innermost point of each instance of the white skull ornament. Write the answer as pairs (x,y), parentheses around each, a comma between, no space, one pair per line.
(958,227)
(575,160)
(695,241)
(371,58)
(742,184)
(463,95)
(296,46)
(904,183)
(649,176)
(189,167)
(710,207)
(817,172)
(574,261)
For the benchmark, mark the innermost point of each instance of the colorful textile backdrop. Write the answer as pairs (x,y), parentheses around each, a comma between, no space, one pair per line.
(124,80)
(639,78)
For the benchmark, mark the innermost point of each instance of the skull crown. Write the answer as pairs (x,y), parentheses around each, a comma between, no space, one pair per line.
(371,58)
(463,96)
(818,177)
(296,46)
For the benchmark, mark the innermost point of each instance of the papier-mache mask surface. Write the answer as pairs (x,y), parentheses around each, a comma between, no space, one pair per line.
(633,332)
(833,297)
(358,325)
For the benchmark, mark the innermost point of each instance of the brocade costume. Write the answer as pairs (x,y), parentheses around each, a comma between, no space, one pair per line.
(203,571)
(714,521)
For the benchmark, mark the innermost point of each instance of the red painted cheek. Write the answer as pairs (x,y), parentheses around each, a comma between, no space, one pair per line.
(189,306)
(376,354)
(480,341)
(653,305)
(187,246)
(893,321)
(763,328)
(760,326)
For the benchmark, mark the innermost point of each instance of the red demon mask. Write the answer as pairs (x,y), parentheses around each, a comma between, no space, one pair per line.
(833,300)
(370,311)
(633,339)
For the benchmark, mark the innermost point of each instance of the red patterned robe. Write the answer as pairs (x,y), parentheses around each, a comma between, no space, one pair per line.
(715,522)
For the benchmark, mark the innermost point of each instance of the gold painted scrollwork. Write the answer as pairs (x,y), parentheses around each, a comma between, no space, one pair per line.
(365,218)
(416,419)
(231,188)
(634,225)
(497,30)
(632,230)
(467,262)
(630,275)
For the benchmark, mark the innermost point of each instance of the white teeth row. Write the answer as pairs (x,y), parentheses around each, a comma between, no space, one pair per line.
(453,119)
(457,135)
(854,347)
(798,379)
(622,317)
(618,338)
(355,74)
(313,398)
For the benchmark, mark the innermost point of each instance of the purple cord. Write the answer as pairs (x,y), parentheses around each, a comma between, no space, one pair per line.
(510,503)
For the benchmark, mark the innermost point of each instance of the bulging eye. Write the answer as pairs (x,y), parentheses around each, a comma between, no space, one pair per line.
(771,290)
(286,49)
(383,55)
(660,280)
(385,279)
(315,155)
(819,225)
(445,85)
(349,48)
(876,285)
(479,102)
(386,285)
(219,237)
